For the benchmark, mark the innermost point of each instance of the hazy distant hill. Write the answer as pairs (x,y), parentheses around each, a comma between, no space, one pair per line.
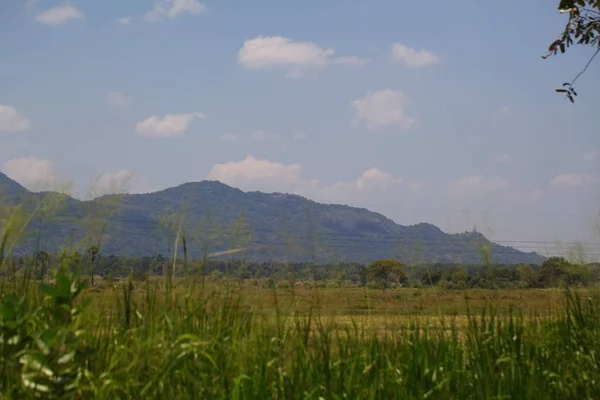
(282,227)
(10,189)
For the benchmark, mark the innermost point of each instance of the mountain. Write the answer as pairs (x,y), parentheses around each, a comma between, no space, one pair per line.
(9,189)
(270,226)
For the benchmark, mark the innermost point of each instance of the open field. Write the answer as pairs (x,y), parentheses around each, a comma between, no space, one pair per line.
(153,340)
(373,311)
(363,301)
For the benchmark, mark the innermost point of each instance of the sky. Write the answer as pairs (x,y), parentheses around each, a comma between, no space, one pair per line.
(440,112)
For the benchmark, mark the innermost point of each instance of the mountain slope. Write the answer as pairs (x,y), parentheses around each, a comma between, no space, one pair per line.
(274,226)
(9,189)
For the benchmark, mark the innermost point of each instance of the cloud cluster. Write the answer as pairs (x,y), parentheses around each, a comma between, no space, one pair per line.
(261,174)
(295,58)
(257,172)
(413,58)
(30,170)
(11,120)
(382,109)
(168,9)
(168,126)
(253,173)
(40,174)
(59,15)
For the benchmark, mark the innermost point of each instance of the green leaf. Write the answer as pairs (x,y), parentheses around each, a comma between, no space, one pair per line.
(560,90)
(66,358)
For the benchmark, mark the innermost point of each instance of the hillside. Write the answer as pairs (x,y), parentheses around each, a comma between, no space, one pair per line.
(274,226)
(9,189)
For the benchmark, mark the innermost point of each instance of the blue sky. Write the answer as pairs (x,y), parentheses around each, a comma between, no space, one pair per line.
(440,112)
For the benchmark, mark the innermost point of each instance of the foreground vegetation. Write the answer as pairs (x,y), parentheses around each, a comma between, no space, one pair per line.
(195,340)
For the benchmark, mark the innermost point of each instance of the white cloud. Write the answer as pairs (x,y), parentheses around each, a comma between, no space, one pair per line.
(413,58)
(253,172)
(474,184)
(169,125)
(264,52)
(172,8)
(117,99)
(383,108)
(59,15)
(268,176)
(391,192)
(29,170)
(124,20)
(11,120)
(573,180)
(294,57)
(375,177)
(590,155)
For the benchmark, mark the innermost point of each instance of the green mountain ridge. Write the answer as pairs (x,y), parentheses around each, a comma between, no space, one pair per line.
(270,227)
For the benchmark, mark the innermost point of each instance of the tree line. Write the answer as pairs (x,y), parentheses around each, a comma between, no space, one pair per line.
(381,274)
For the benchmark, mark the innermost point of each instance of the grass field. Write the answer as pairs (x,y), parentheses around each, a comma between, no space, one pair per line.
(371,309)
(151,340)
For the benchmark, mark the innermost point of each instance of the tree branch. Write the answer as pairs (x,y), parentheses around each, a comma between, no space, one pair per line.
(586,66)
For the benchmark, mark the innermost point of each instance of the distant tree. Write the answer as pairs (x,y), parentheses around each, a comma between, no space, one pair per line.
(459,277)
(363,275)
(431,278)
(384,272)
(594,269)
(42,260)
(552,269)
(582,28)
(526,274)
(92,255)
(575,274)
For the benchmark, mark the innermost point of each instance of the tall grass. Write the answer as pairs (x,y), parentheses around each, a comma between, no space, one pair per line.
(54,344)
